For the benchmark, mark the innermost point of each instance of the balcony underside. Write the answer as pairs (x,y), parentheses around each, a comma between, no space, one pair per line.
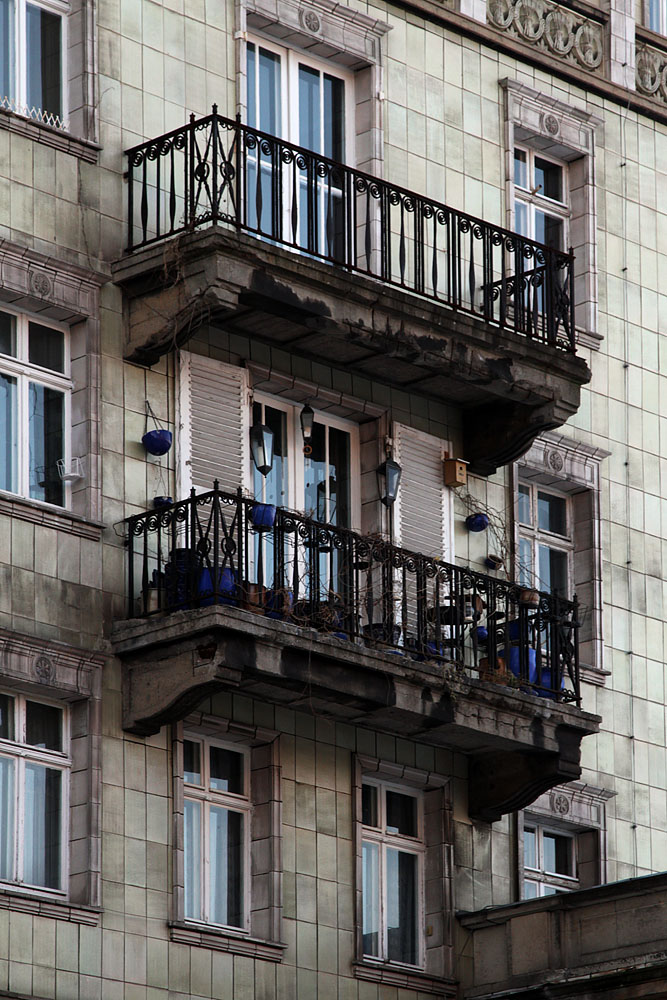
(511,388)
(518,745)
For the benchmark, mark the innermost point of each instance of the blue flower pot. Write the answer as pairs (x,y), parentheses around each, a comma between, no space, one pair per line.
(157,442)
(263,516)
(477,522)
(226,591)
(162,502)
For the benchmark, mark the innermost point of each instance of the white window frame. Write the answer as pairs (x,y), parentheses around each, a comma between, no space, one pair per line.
(22,752)
(538,536)
(296,474)
(534,201)
(539,876)
(234,802)
(410,845)
(18,101)
(290,58)
(23,371)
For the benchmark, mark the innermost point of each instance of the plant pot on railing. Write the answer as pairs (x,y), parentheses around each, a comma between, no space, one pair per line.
(263,516)
(188,584)
(226,591)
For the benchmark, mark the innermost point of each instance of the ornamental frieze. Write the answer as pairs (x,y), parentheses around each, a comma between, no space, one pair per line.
(550,27)
(651,72)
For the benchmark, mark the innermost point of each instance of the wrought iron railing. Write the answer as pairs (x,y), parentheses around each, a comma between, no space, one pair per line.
(225,549)
(217,170)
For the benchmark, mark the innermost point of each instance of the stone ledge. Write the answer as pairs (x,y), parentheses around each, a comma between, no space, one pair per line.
(221,940)
(57,909)
(22,509)
(404,979)
(47,135)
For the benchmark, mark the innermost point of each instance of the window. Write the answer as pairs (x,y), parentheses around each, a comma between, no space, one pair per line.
(215,843)
(549,861)
(540,198)
(545,540)
(392,862)
(227,850)
(656,16)
(34,408)
(316,479)
(34,771)
(31,59)
(300,100)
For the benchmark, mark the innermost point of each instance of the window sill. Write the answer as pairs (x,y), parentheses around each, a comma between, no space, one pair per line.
(223,940)
(51,517)
(403,978)
(84,149)
(57,909)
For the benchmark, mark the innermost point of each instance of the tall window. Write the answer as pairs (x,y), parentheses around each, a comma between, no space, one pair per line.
(300,100)
(31,58)
(540,198)
(34,408)
(34,767)
(216,833)
(545,540)
(392,873)
(549,861)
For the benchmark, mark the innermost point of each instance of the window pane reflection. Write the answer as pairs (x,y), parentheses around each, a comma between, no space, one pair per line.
(41,844)
(44,60)
(401,906)
(6,818)
(8,434)
(226,867)
(46,422)
(371,899)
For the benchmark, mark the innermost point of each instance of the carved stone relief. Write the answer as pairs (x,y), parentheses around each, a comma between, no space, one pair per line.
(557,30)
(651,72)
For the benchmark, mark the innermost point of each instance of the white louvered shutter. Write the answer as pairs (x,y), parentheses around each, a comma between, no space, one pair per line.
(214,422)
(424,514)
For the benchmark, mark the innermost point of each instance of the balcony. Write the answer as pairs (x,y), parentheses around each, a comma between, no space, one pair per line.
(284,245)
(226,593)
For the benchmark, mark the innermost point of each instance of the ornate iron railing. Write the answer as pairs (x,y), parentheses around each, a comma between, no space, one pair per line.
(224,549)
(216,170)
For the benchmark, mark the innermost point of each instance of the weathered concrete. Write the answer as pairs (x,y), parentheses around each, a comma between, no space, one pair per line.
(512,388)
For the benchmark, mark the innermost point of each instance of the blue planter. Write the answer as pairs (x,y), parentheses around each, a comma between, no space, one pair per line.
(513,663)
(477,522)
(263,516)
(226,591)
(157,442)
(162,502)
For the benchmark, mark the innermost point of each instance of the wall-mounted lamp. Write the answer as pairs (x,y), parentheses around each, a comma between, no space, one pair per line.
(307,420)
(389,479)
(261,446)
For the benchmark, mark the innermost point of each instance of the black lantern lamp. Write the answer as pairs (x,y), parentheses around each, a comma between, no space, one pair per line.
(261,446)
(307,421)
(389,479)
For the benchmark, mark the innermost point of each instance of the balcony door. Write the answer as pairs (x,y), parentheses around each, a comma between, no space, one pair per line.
(298,198)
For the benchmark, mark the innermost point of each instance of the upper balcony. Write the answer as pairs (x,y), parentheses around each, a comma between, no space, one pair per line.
(288,246)
(226,593)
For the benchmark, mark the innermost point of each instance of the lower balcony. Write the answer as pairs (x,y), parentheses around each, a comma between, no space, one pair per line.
(227,593)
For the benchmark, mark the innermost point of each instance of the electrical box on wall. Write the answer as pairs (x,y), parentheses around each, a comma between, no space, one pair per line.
(456,472)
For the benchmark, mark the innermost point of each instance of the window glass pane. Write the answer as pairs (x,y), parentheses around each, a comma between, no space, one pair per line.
(274,487)
(526,571)
(401,814)
(529,848)
(251,69)
(6,818)
(6,717)
(8,434)
(226,867)
(41,841)
(522,226)
(371,899)
(520,168)
(269,92)
(552,513)
(548,179)
(524,505)
(7,48)
(43,58)
(339,477)
(655,20)
(46,347)
(191,762)
(334,118)
(549,890)
(557,854)
(314,475)
(552,570)
(309,108)
(7,322)
(530,890)
(548,230)
(192,859)
(45,422)
(369,805)
(401,906)
(226,771)
(43,726)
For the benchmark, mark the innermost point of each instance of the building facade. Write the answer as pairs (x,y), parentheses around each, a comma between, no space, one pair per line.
(272,725)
